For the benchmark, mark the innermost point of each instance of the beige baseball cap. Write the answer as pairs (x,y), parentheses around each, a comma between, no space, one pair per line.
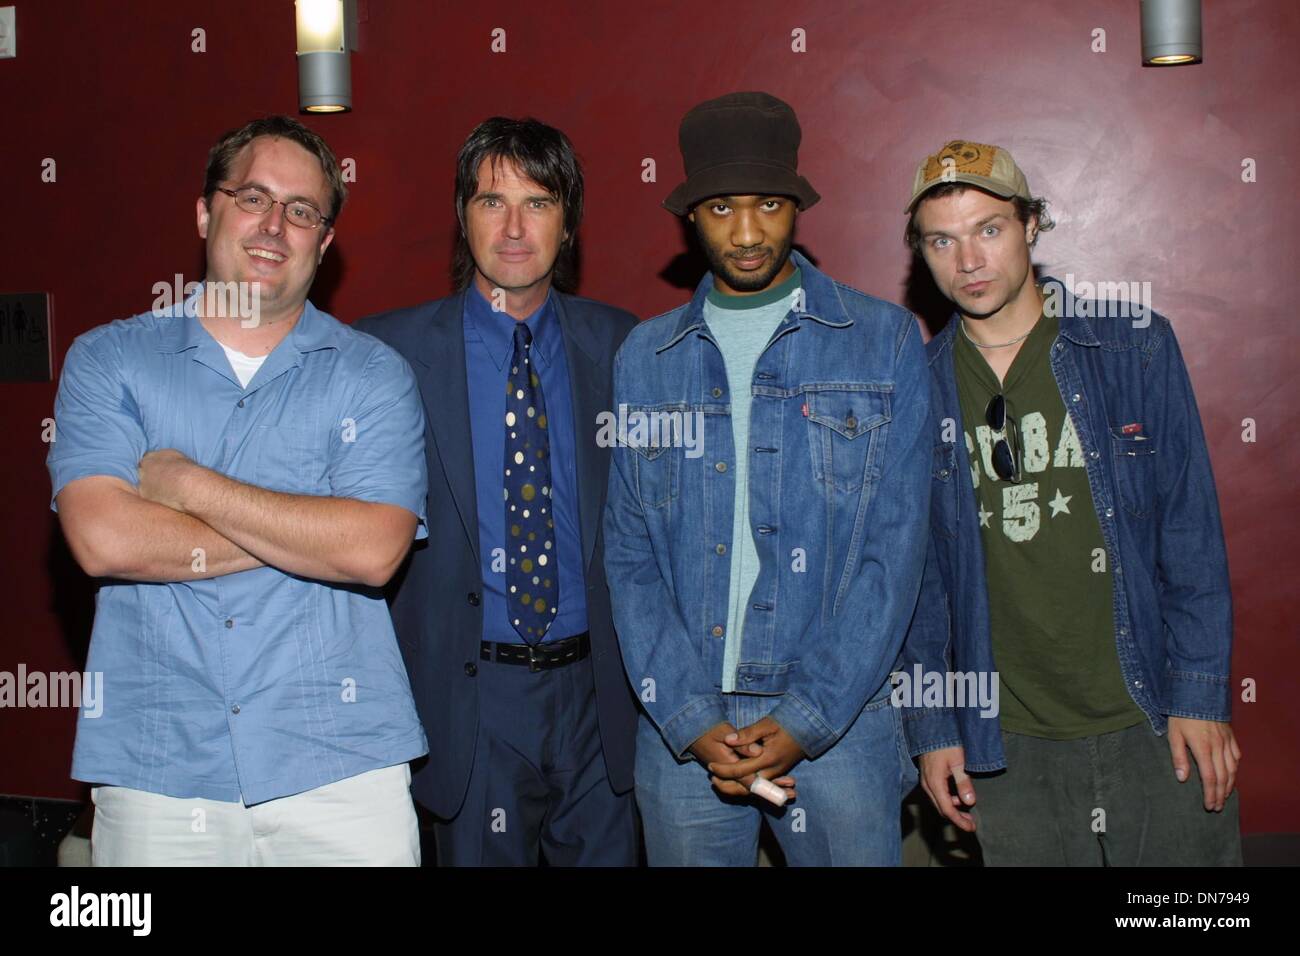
(961,161)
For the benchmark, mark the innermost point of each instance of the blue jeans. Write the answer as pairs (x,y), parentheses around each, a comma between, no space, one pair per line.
(847,812)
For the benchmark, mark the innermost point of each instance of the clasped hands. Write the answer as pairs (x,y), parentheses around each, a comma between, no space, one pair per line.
(735,757)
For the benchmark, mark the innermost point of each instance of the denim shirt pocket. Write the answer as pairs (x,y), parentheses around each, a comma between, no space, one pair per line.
(1135,471)
(846,427)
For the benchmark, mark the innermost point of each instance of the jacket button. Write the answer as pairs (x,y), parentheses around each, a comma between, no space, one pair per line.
(473,598)
(717,392)
(717,630)
(721,549)
(851,423)
(720,466)
(1075,397)
(229,623)
(470,668)
(240,403)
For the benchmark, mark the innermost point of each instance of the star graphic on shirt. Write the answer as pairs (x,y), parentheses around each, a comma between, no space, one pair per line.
(984,516)
(1060,503)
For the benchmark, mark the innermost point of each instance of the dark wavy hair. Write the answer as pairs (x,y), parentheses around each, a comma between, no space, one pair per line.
(229,145)
(1025,210)
(543,154)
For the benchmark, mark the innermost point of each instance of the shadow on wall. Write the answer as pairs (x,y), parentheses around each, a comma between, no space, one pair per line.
(923,298)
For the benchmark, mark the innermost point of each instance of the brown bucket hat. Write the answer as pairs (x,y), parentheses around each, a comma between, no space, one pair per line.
(737,145)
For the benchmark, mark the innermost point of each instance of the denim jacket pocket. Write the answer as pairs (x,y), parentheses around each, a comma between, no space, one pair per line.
(846,425)
(1135,471)
(651,437)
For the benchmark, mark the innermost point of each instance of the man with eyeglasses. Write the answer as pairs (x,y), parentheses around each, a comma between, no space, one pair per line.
(244,479)
(1076,556)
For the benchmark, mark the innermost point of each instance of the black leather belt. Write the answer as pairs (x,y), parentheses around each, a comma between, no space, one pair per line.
(539,657)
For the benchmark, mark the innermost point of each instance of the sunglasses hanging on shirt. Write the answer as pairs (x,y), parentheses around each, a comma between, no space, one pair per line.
(1006,451)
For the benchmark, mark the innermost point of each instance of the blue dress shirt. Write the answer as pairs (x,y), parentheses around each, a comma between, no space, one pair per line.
(489,343)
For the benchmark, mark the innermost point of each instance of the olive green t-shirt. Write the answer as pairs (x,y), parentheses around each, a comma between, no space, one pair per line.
(1051,608)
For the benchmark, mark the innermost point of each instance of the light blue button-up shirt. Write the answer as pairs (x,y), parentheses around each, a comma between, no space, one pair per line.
(258,684)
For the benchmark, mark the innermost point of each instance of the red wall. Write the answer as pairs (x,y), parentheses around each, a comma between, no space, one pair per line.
(1143,168)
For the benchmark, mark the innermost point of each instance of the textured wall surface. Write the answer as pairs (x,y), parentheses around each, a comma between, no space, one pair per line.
(1143,168)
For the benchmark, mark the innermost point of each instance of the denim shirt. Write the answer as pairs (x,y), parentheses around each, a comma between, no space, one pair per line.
(839,463)
(1128,394)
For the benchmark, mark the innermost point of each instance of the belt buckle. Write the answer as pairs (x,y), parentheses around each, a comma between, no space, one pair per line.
(533,660)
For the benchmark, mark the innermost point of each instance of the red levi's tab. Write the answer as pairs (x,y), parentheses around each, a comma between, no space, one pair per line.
(805,409)
(1132,429)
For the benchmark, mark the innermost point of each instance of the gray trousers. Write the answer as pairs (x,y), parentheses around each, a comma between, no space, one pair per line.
(1108,800)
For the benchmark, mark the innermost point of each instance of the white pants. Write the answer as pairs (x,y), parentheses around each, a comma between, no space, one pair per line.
(366,820)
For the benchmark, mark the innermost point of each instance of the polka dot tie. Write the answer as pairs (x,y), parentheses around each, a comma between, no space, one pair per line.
(533,568)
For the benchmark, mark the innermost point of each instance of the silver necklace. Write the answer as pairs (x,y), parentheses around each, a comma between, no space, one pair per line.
(1000,345)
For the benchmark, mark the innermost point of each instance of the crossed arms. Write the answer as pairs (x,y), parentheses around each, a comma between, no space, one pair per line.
(156,516)
(151,533)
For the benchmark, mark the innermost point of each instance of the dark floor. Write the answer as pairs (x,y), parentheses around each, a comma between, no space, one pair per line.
(30,831)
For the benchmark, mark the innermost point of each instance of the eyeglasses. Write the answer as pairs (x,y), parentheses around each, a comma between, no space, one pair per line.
(1006,452)
(259,203)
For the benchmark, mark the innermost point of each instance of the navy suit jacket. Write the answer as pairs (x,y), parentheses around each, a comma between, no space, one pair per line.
(436,596)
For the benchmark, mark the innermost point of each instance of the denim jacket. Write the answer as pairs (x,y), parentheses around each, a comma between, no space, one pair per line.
(840,455)
(1155,500)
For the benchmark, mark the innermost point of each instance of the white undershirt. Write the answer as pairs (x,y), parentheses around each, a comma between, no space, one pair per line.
(245,366)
